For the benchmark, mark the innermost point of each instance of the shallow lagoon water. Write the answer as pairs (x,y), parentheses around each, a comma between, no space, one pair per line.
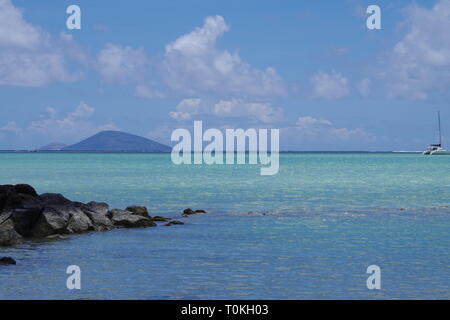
(313,229)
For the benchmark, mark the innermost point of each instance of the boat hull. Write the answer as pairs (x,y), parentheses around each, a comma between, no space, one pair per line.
(440,153)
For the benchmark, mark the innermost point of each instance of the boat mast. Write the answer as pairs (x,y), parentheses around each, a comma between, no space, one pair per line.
(439,123)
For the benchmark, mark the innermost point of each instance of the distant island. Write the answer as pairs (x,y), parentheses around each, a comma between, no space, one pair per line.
(111,141)
(54,146)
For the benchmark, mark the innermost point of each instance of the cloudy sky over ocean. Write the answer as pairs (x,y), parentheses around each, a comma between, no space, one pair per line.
(312,69)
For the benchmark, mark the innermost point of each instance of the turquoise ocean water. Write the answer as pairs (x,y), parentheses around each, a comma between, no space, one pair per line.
(309,232)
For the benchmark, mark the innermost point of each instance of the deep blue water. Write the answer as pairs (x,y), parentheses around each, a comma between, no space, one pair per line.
(313,229)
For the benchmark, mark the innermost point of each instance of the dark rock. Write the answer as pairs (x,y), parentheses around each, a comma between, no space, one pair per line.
(8,234)
(25,189)
(25,219)
(174,222)
(79,222)
(7,261)
(56,199)
(126,219)
(26,215)
(7,188)
(51,221)
(138,210)
(98,213)
(16,200)
(61,220)
(160,219)
(189,211)
(98,207)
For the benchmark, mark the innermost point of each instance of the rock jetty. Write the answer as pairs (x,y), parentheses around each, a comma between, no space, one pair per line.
(26,215)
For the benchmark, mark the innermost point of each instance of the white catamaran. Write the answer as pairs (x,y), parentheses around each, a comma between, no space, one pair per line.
(436,149)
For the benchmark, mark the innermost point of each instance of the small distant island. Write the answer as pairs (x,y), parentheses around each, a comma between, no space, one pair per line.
(110,141)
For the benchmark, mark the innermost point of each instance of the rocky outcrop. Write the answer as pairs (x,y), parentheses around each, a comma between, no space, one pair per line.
(7,260)
(174,222)
(160,219)
(128,219)
(8,235)
(26,215)
(188,212)
(138,210)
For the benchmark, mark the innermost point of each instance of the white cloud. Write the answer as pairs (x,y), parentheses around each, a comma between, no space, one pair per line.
(327,130)
(180,116)
(330,85)
(189,105)
(262,112)
(236,108)
(82,111)
(419,63)
(193,65)
(15,31)
(144,91)
(74,125)
(186,109)
(308,122)
(28,55)
(118,64)
(10,127)
(321,134)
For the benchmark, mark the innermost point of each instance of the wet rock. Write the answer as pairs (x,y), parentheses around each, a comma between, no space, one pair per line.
(7,261)
(16,200)
(25,189)
(25,219)
(174,222)
(8,234)
(26,215)
(7,188)
(98,213)
(160,219)
(61,220)
(55,199)
(138,210)
(189,211)
(126,219)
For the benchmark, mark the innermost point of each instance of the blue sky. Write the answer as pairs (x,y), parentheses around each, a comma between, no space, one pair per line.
(310,68)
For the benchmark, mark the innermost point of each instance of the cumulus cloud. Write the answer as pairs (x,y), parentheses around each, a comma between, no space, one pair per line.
(186,109)
(419,63)
(325,128)
(234,108)
(29,56)
(330,85)
(75,124)
(15,31)
(120,64)
(194,65)
(314,133)
(262,112)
